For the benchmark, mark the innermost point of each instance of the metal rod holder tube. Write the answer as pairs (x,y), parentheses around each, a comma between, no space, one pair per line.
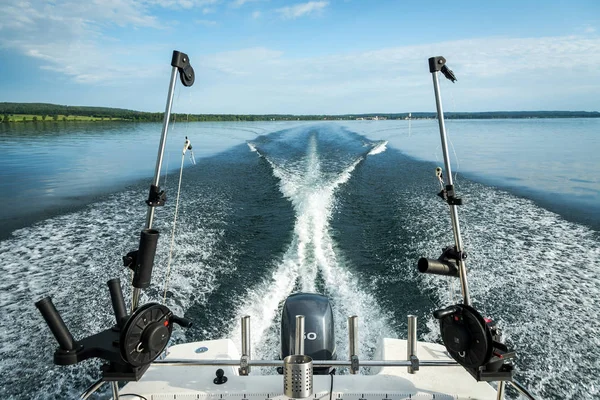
(115,389)
(411,344)
(56,324)
(453,209)
(353,343)
(521,389)
(299,338)
(500,391)
(117,300)
(246,335)
(246,346)
(353,335)
(92,389)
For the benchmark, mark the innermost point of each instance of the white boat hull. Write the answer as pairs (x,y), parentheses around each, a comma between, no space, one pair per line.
(196,382)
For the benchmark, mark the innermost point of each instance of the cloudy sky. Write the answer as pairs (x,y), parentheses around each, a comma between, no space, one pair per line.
(271,56)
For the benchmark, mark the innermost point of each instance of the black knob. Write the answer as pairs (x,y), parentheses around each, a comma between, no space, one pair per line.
(456,337)
(221,378)
(155,337)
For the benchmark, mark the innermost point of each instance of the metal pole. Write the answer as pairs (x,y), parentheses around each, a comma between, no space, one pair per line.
(522,389)
(317,363)
(299,338)
(411,345)
(246,349)
(353,343)
(462,269)
(163,140)
(135,297)
(115,390)
(92,389)
(246,335)
(501,386)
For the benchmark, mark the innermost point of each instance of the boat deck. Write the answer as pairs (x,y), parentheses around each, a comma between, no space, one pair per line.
(162,382)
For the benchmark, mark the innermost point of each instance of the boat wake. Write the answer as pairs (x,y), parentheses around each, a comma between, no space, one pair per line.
(311,262)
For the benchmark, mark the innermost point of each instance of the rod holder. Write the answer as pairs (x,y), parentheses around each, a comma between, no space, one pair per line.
(145,258)
(500,391)
(115,389)
(246,347)
(353,343)
(299,338)
(297,376)
(56,324)
(117,300)
(437,267)
(411,345)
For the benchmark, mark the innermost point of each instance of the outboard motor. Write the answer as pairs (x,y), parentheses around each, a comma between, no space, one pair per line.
(319,337)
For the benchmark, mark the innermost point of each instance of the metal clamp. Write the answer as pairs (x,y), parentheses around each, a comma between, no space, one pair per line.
(414,363)
(354,364)
(244,365)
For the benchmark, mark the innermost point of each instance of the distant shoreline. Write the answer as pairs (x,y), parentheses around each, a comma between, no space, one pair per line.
(44,112)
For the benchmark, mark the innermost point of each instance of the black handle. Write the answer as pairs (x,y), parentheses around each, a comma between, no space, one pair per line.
(439,314)
(183,322)
(118,302)
(56,324)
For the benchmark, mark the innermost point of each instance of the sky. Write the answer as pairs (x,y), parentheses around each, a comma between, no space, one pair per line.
(302,57)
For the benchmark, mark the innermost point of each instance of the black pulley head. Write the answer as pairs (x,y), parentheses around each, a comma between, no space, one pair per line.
(466,335)
(182,62)
(146,334)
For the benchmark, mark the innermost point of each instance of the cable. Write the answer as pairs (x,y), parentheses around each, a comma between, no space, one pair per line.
(332,372)
(133,394)
(173,230)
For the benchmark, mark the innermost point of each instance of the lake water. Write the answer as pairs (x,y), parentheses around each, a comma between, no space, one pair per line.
(343,208)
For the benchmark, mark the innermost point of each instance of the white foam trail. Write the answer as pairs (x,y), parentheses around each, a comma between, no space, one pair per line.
(536,275)
(252,146)
(311,251)
(379,148)
(69,257)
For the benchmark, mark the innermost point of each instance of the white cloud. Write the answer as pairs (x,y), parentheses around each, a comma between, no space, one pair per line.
(256,14)
(303,9)
(70,38)
(493,74)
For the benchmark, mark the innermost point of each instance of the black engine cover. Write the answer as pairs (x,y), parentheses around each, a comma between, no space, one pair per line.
(319,336)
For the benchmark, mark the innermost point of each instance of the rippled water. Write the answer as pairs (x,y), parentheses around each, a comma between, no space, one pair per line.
(345,209)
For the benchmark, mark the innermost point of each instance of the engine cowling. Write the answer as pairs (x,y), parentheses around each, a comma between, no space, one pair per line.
(319,335)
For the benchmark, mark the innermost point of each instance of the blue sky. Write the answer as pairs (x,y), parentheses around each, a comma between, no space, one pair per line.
(302,57)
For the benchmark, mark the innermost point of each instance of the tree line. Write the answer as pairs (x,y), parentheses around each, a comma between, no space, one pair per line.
(46,111)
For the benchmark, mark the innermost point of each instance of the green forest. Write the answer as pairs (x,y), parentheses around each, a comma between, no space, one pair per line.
(42,112)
